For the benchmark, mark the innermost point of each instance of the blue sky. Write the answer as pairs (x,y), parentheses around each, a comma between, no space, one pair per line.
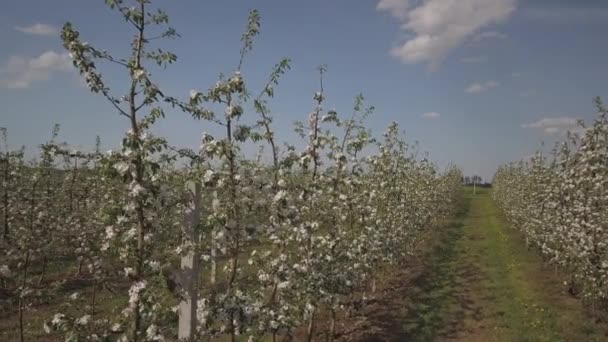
(477,82)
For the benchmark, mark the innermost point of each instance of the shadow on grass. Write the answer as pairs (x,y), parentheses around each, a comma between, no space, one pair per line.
(428,299)
(431,312)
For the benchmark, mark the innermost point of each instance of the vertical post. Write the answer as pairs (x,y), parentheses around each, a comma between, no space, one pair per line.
(213,274)
(474,182)
(190,267)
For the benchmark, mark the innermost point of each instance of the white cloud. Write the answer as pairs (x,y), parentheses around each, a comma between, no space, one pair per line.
(20,72)
(431,115)
(480,87)
(438,26)
(474,59)
(398,8)
(555,125)
(38,29)
(517,74)
(489,35)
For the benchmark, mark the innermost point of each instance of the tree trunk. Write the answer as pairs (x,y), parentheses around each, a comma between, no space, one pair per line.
(5,200)
(44,262)
(80,262)
(332,325)
(311,325)
(94,296)
(21,297)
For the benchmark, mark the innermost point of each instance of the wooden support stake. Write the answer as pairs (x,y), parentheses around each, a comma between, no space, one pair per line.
(190,267)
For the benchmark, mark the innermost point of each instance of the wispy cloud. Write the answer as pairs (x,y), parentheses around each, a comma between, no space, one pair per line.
(431,115)
(554,125)
(38,29)
(20,72)
(474,59)
(438,26)
(517,74)
(489,35)
(398,8)
(480,87)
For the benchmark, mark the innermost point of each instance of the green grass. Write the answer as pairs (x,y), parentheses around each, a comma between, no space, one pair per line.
(484,285)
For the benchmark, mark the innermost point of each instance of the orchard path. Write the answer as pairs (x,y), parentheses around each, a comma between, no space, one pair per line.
(479,283)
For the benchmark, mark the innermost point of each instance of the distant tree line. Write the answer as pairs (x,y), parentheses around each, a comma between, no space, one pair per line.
(475,179)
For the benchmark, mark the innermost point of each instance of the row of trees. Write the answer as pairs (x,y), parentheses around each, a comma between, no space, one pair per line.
(466,180)
(279,240)
(560,202)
